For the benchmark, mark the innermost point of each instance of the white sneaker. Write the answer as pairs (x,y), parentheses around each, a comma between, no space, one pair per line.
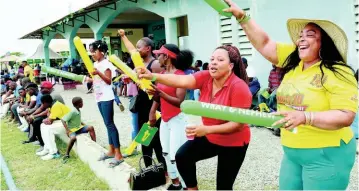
(24,129)
(50,156)
(40,149)
(43,152)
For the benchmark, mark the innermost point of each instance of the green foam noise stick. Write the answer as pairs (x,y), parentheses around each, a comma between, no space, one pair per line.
(230,113)
(219,5)
(64,74)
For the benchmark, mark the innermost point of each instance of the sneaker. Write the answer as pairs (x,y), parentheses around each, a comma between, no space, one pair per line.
(122,108)
(43,152)
(25,129)
(51,156)
(36,143)
(174,187)
(40,149)
(20,127)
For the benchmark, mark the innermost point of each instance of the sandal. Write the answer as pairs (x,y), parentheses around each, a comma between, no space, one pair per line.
(115,163)
(65,159)
(105,157)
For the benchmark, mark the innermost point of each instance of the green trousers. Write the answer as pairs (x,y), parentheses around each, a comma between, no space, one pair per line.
(317,169)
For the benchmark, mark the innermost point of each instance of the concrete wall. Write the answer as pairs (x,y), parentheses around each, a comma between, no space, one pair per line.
(204,29)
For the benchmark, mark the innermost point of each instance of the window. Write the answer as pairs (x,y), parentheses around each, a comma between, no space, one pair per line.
(245,47)
(226,30)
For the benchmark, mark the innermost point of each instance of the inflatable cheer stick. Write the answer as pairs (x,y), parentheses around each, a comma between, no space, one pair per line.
(230,113)
(83,53)
(144,84)
(64,74)
(137,60)
(219,5)
(134,144)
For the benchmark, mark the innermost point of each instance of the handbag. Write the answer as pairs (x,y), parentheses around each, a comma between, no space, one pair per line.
(149,177)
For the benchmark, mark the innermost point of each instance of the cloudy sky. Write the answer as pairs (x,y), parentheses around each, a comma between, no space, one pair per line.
(19,17)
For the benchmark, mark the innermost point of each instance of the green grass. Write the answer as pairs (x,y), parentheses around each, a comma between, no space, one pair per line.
(32,173)
(3,183)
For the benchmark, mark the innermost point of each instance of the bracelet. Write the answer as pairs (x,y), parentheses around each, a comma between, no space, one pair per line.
(311,118)
(245,18)
(154,78)
(241,19)
(307,118)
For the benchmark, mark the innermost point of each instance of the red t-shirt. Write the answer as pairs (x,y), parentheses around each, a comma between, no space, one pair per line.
(168,110)
(234,93)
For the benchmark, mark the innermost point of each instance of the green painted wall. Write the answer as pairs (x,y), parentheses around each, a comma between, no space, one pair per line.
(158,31)
(204,29)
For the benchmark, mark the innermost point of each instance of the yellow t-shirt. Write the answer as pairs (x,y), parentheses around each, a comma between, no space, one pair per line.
(27,98)
(29,72)
(58,110)
(302,91)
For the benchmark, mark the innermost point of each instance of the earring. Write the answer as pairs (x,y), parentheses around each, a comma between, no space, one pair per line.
(320,56)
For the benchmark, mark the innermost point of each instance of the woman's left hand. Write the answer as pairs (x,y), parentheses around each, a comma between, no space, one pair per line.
(291,119)
(154,91)
(197,131)
(95,72)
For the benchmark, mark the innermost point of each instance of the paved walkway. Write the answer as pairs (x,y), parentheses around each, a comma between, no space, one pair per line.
(259,171)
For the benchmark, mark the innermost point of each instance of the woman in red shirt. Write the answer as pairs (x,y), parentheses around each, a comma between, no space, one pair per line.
(225,83)
(173,124)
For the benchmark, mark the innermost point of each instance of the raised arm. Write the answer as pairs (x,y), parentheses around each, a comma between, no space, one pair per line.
(259,39)
(126,42)
(173,80)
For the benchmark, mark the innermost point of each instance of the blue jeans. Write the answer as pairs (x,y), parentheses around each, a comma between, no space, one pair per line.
(84,129)
(117,99)
(106,110)
(135,128)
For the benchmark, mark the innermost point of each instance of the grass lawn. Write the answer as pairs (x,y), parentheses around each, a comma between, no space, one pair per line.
(3,183)
(32,173)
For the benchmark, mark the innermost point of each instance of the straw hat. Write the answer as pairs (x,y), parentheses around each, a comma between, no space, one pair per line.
(295,26)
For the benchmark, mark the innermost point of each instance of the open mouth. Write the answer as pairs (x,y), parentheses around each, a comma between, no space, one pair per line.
(303,47)
(213,69)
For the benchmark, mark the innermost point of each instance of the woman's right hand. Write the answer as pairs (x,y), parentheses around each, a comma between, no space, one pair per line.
(121,32)
(234,9)
(144,73)
(152,119)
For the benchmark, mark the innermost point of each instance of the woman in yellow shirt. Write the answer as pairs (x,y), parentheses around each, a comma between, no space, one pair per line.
(318,99)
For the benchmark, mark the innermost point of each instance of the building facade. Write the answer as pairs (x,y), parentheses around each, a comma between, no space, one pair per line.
(194,25)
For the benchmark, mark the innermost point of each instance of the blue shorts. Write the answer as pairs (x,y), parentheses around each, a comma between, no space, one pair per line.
(84,129)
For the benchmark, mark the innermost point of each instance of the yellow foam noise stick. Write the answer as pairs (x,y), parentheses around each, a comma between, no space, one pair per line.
(137,60)
(118,78)
(134,144)
(144,84)
(83,53)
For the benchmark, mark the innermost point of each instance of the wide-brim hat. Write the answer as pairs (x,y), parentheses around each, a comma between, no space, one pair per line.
(295,26)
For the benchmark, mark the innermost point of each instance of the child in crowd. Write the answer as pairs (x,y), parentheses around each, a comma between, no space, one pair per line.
(74,126)
(102,86)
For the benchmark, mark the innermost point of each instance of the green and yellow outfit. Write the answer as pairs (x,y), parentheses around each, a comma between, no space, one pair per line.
(314,158)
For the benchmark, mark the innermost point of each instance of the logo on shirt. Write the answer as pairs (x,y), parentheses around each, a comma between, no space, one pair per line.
(354,98)
(291,97)
(317,80)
